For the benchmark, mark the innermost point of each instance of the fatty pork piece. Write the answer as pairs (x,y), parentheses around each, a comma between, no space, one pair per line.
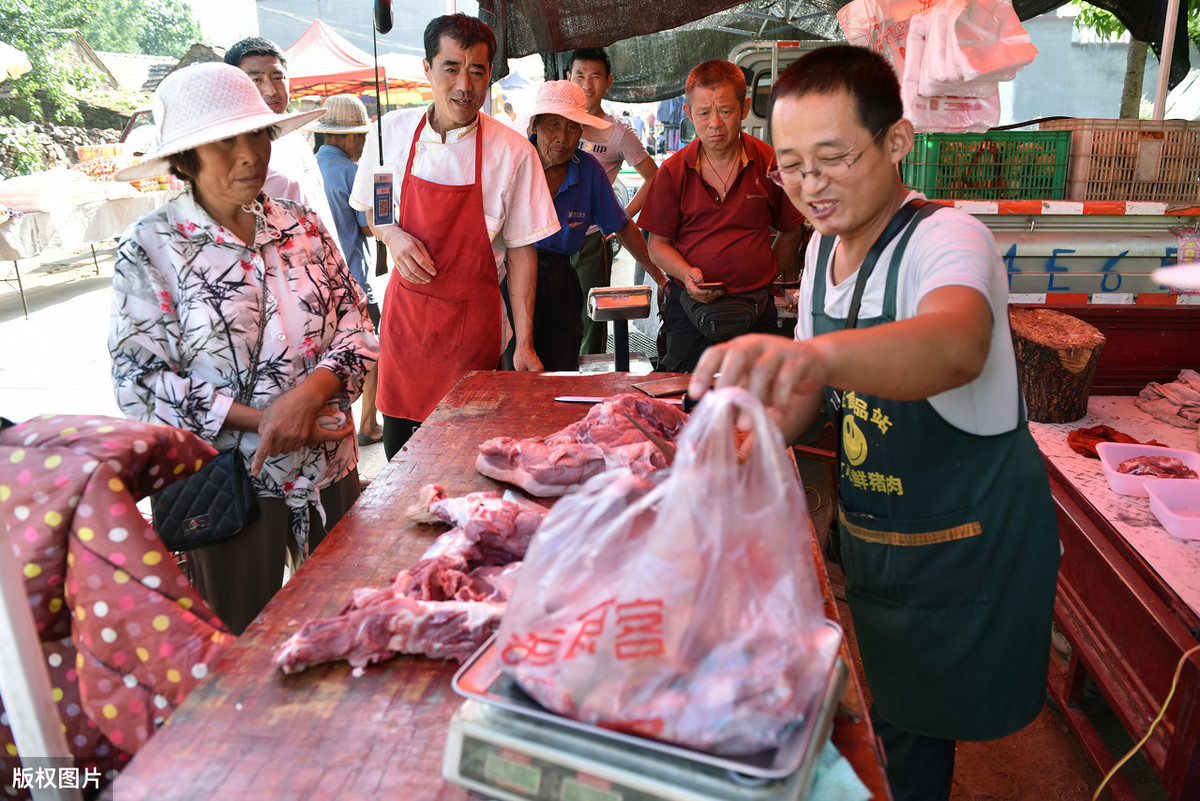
(495,522)
(1157,466)
(390,624)
(603,439)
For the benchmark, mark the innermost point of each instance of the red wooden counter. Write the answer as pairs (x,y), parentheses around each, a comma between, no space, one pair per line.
(1128,603)
(251,732)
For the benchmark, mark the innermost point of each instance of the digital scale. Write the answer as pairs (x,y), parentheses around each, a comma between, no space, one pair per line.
(503,745)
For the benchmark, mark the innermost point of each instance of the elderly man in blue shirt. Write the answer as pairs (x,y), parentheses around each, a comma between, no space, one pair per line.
(583,197)
(345,126)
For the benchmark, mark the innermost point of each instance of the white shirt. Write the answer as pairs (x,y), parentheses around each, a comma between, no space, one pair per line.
(949,248)
(622,145)
(293,174)
(517,205)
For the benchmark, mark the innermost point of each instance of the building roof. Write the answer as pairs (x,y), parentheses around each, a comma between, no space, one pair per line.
(135,71)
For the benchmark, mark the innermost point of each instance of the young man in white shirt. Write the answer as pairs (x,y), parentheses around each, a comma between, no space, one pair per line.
(293,172)
(591,71)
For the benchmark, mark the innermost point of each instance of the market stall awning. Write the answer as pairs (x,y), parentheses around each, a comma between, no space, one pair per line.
(322,63)
(653,44)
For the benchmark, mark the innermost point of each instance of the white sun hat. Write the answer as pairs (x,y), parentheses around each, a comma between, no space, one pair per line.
(567,100)
(205,103)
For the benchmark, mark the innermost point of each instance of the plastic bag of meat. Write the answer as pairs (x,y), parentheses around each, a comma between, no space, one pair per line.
(686,611)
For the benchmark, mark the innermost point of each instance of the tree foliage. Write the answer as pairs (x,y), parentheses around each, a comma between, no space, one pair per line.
(1108,27)
(37,27)
(152,27)
(42,27)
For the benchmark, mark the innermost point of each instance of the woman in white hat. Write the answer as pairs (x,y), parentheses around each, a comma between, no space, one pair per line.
(583,196)
(218,274)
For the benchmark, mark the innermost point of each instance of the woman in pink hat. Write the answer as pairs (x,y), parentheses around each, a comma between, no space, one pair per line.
(583,197)
(236,318)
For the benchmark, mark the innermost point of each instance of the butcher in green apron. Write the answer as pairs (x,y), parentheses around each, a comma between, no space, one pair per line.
(948,533)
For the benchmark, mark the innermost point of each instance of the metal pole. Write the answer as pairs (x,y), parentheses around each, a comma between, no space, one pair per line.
(1164,64)
(21,289)
(621,346)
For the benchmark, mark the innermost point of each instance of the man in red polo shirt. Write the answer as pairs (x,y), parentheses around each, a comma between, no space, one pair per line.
(709,212)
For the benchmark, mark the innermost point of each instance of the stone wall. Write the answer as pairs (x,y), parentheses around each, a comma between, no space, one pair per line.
(57,142)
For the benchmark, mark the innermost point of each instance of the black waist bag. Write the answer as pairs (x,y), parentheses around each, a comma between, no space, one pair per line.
(728,316)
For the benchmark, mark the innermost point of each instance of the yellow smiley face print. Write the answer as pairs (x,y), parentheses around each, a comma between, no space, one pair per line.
(854,444)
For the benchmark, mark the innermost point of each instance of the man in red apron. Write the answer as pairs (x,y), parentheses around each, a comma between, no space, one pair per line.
(948,532)
(472,196)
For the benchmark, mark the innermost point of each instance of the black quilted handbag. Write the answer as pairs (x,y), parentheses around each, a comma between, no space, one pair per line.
(214,504)
(207,507)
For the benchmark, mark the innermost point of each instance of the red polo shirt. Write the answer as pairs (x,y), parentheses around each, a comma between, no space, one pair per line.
(728,241)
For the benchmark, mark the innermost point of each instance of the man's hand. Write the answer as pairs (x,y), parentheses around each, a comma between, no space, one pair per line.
(410,255)
(693,277)
(788,377)
(526,359)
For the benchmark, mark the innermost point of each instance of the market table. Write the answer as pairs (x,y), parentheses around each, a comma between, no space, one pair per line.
(1128,603)
(28,234)
(251,732)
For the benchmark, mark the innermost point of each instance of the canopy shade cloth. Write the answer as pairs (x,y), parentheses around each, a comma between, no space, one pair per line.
(653,44)
(322,63)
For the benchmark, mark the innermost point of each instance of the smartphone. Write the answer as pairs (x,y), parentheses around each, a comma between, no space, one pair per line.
(711,285)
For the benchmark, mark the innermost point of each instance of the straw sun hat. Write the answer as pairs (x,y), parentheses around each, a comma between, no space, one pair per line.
(206,103)
(344,114)
(566,99)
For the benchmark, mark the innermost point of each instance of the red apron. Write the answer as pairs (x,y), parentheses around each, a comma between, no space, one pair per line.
(433,334)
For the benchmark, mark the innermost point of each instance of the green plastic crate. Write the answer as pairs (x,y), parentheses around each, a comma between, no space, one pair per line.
(999,165)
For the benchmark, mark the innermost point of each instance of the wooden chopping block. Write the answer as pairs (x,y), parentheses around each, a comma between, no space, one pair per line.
(1056,360)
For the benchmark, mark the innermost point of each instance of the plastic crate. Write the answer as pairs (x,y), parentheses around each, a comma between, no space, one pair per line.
(1143,160)
(999,165)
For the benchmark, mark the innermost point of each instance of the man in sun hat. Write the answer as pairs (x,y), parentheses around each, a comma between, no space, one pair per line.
(471,197)
(235,318)
(582,196)
(345,127)
(710,211)
(294,173)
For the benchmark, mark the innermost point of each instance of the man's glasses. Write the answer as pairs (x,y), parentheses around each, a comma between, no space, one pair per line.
(833,170)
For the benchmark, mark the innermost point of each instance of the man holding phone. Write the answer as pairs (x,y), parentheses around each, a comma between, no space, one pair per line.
(709,212)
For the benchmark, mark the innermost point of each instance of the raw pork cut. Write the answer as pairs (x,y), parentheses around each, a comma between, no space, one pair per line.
(605,438)
(444,606)
(1157,466)
(391,625)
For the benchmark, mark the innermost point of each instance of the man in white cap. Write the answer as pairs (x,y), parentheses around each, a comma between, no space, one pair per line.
(471,197)
(293,173)
(345,127)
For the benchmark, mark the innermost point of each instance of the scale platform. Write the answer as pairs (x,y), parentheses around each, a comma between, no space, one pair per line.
(504,746)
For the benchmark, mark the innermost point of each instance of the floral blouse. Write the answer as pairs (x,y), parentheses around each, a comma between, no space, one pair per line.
(186,317)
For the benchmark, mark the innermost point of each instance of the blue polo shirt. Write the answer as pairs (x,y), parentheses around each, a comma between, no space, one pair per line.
(337,171)
(586,198)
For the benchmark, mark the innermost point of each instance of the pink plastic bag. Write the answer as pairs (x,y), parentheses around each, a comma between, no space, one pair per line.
(686,610)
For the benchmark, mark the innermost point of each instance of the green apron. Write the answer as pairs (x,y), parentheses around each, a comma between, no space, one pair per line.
(950,549)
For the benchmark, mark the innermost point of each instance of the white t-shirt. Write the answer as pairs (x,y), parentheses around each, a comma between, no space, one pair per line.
(948,248)
(622,145)
(516,203)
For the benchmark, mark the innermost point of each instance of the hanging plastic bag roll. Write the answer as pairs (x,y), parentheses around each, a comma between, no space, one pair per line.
(686,610)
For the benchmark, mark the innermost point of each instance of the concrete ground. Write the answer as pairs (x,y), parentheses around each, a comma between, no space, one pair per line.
(56,361)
